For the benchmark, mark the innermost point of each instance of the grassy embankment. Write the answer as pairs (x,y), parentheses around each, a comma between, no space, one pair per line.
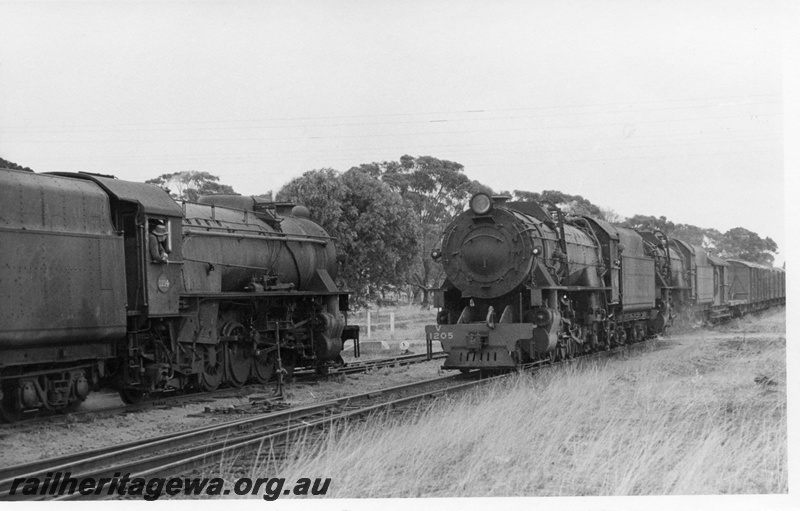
(684,417)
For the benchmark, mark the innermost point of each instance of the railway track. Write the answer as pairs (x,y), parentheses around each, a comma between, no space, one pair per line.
(182,452)
(178,400)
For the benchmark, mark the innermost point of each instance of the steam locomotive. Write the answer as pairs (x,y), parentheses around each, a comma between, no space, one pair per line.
(526,283)
(245,286)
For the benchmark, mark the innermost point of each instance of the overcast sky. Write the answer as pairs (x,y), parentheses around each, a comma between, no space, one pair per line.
(658,108)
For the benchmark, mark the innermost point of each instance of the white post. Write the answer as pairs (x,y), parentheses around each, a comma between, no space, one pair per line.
(391,324)
(369,325)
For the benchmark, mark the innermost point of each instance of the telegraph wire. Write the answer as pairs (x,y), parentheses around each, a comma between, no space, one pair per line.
(407,114)
(406,134)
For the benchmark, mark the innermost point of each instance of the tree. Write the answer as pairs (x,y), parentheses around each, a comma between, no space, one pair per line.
(376,231)
(569,204)
(436,190)
(5,164)
(739,243)
(650,223)
(610,216)
(190,185)
(323,193)
(706,238)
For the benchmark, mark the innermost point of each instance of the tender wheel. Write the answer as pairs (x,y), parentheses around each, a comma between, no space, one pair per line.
(211,376)
(9,412)
(131,396)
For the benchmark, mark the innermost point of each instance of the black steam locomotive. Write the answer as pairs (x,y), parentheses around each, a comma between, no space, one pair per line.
(525,283)
(88,299)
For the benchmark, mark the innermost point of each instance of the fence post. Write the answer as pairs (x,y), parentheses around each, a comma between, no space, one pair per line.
(369,325)
(391,324)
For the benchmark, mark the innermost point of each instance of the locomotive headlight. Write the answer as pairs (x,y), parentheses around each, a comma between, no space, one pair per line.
(536,251)
(480,203)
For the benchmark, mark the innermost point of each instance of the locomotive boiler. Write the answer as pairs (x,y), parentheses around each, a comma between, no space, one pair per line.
(245,287)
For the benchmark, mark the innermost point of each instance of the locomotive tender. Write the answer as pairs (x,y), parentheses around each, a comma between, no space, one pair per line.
(246,285)
(525,283)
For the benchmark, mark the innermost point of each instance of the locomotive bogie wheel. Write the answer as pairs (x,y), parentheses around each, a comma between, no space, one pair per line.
(211,376)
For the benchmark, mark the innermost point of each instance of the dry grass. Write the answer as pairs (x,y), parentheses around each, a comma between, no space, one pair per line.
(684,418)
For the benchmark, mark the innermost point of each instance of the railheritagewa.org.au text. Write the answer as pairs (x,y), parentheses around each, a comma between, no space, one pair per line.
(56,484)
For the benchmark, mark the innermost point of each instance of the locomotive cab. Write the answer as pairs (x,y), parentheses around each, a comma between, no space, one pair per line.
(152,289)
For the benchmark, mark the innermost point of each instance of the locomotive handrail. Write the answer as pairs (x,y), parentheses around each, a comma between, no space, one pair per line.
(226,264)
(265,236)
(210,228)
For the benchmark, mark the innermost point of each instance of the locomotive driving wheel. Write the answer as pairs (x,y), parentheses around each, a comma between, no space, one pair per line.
(571,349)
(238,354)
(239,364)
(563,349)
(264,363)
(211,376)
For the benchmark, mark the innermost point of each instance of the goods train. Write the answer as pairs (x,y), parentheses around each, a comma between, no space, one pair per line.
(106,282)
(526,283)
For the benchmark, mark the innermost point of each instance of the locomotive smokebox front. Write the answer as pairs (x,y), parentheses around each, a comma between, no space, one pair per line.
(487,255)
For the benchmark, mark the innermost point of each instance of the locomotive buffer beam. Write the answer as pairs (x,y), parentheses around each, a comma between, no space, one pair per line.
(477,343)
